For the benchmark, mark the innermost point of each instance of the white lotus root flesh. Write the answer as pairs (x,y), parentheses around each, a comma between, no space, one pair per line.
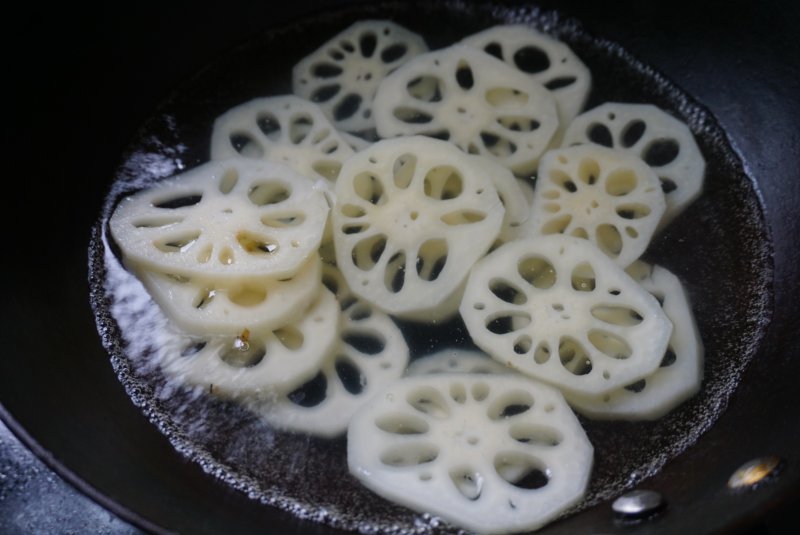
(284,129)
(681,371)
(369,355)
(257,363)
(207,307)
(555,308)
(665,143)
(488,453)
(343,75)
(224,219)
(547,60)
(473,100)
(411,217)
(611,199)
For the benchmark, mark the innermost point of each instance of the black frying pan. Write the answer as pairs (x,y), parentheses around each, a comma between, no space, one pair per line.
(79,102)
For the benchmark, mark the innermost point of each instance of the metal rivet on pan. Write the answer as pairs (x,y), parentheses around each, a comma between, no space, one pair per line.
(754,472)
(638,503)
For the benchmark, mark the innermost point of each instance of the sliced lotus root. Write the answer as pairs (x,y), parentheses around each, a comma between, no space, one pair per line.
(609,198)
(257,363)
(557,309)
(514,230)
(206,307)
(547,60)
(224,220)
(681,371)
(509,189)
(652,134)
(370,354)
(343,75)
(473,100)
(487,453)
(412,215)
(453,360)
(285,129)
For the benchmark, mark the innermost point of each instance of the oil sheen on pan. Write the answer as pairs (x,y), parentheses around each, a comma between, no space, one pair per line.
(730,298)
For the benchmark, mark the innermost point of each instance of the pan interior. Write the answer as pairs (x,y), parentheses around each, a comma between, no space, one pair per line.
(719,247)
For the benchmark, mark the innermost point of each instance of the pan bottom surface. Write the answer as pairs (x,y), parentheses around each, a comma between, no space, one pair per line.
(719,247)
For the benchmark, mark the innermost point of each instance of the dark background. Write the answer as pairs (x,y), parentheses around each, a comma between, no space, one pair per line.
(79,81)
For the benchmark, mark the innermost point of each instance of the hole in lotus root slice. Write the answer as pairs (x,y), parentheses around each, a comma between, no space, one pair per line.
(531,59)
(246,145)
(507,322)
(267,122)
(533,466)
(354,62)
(510,404)
(369,251)
(402,424)
(537,271)
(500,97)
(311,393)
(632,133)
(443,183)
(431,259)
(370,188)
(300,126)
(600,134)
(177,243)
(662,152)
(609,343)
(282,220)
(429,401)
(351,377)
(467,481)
(272,192)
(347,107)
(409,455)
(583,278)
(542,353)
(395,276)
(425,88)
(403,170)
(522,471)
(458,393)
(365,342)
(535,434)
(463,75)
(617,315)
(621,182)
(573,356)
(239,354)
(663,141)
(507,292)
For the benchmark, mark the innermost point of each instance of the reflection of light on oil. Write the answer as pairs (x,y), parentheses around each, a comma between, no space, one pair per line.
(753,472)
